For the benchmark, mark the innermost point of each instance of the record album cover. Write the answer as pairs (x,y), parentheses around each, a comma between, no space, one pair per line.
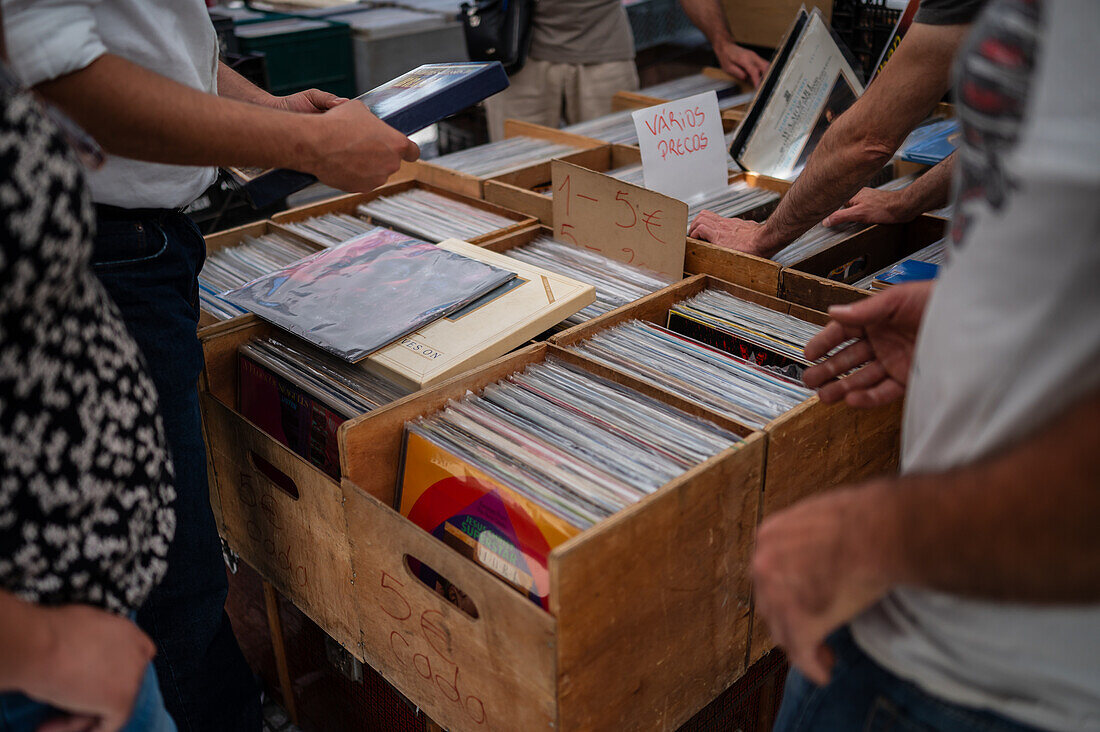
(357,297)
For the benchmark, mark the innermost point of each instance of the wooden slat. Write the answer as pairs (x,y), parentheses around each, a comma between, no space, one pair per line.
(297,544)
(653,603)
(495,672)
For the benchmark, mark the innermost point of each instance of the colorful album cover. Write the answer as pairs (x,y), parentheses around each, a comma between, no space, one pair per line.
(479,517)
(731,343)
(357,297)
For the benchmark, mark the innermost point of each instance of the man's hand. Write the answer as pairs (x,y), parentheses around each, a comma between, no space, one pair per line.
(884,327)
(741,63)
(738,234)
(92,667)
(308,101)
(350,149)
(819,564)
(872,206)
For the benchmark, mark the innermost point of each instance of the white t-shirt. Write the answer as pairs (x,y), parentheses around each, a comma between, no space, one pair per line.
(1010,340)
(175,38)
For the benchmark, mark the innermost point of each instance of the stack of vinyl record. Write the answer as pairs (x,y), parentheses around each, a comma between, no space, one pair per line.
(695,371)
(229,268)
(329,229)
(820,237)
(432,216)
(753,332)
(345,388)
(578,445)
(497,158)
(506,475)
(616,283)
(687,86)
(934,254)
(738,199)
(617,127)
(300,396)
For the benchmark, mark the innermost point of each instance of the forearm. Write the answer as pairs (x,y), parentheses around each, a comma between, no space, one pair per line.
(930,191)
(136,113)
(24,639)
(1020,526)
(863,139)
(232,85)
(707,16)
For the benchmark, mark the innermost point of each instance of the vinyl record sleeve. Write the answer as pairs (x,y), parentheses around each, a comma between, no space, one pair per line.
(503,319)
(809,86)
(356,298)
(409,103)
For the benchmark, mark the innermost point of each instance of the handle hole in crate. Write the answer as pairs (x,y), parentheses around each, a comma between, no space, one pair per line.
(440,585)
(279,479)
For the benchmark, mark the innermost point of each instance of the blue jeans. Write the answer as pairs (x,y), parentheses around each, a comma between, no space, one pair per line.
(21,714)
(149,262)
(861,695)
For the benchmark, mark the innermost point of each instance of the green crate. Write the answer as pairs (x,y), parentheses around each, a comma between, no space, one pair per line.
(303,59)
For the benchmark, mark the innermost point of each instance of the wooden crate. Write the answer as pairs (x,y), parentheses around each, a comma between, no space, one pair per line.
(811,448)
(520,189)
(819,281)
(636,100)
(282,514)
(233,237)
(677,598)
(473,186)
(649,608)
(349,204)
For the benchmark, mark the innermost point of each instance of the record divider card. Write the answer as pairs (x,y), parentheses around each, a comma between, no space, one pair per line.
(624,222)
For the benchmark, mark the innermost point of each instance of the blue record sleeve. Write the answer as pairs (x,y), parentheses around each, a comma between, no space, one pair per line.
(409,103)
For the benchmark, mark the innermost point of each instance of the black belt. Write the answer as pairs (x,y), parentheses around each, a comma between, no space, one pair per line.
(117,213)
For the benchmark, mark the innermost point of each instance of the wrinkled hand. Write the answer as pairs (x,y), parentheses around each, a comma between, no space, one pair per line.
(350,149)
(872,206)
(819,564)
(92,669)
(737,234)
(309,101)
(885,327)
(741,63)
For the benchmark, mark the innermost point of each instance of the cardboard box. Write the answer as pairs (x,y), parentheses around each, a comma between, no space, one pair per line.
(765,22)
(349,204)
(811,448)
(472,186)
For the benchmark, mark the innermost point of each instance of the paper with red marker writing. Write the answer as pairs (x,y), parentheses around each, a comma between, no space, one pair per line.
(683,151)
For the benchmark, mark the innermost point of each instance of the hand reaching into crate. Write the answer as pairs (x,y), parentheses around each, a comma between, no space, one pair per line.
(873,370)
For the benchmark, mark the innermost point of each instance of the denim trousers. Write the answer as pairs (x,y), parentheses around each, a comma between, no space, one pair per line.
(21,714)
(863,696)
(149,262)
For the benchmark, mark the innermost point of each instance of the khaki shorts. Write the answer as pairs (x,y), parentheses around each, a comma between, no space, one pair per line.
(546,93)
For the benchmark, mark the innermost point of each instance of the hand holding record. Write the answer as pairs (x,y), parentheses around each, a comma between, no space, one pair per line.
(350,149)
(874,370)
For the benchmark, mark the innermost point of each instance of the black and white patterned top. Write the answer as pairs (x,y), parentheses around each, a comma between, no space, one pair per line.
(85,479)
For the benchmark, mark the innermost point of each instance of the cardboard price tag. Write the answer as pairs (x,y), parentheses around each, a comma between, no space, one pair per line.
(621,221)
(683,148)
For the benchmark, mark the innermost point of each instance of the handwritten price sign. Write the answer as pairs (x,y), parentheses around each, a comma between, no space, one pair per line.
(621,221)
(683,150)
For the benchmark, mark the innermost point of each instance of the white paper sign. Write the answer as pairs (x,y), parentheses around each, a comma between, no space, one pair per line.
(683,150)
